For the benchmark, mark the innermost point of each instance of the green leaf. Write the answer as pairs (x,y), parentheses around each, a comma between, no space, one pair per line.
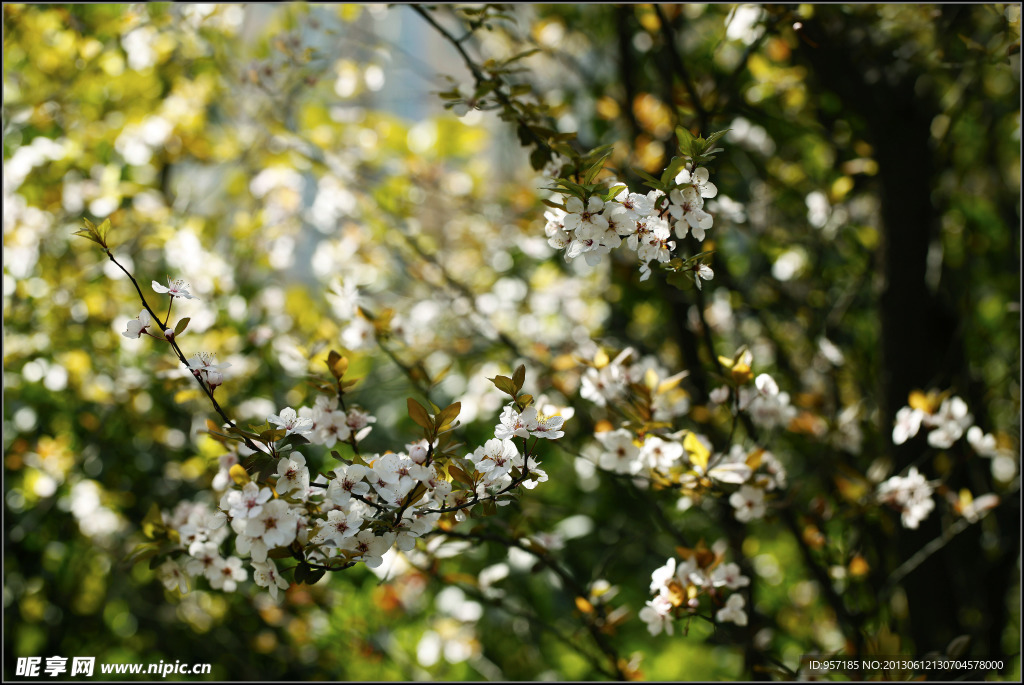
(521,55)
(565,150)
(677,164)
(181,326)
(519,377)
(343,452)
(575,188)
(301,572)
(596,168)
(153,526)
(226,437)
(294,440)
(273,434)
(155,560)
(418,414)
(680,279)
(547,133)
(700,257)
(448,414)
(91,232)
(459,475)
(314,574)
(505,384)
(540,157)
(600,151)
(651,181)
(88,235)
(238,431)
(612,192)
(267,469)
(685,138)
(143,551)
(697,148)
(416,495)
(483,89)
(713,138)
(524,401)
(103,229)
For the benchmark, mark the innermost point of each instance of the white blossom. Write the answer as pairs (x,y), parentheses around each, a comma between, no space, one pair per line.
(620,454)
(136,327)
(948,423)
(178,288)
(733,611)
(265,574)
(226,574)
(247,502)
(291,422)
(292,475)
(657,614)
(910,494)
(748,502)
(172,576)
(729,575)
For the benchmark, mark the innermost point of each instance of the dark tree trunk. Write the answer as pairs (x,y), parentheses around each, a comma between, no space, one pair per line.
(920,346)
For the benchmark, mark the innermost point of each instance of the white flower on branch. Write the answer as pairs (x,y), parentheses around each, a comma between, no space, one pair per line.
(178,288)
(136,327)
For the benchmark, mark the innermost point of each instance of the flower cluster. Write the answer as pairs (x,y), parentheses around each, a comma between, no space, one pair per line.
(682,460)
(947,423)
(204,366)
(911,495)
(948,419)
(278,508)
(679,587)
(767,406)
(592,225)
(357,512)
(606,382)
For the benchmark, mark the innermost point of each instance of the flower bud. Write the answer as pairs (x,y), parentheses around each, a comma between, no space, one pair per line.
(169,334)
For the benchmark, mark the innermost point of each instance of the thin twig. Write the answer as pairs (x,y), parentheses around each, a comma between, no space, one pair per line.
(567,579)
(480,78)
(181,356)
(919,557)
(668,36)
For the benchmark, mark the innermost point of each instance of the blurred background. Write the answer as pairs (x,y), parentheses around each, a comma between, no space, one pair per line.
(293,162)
